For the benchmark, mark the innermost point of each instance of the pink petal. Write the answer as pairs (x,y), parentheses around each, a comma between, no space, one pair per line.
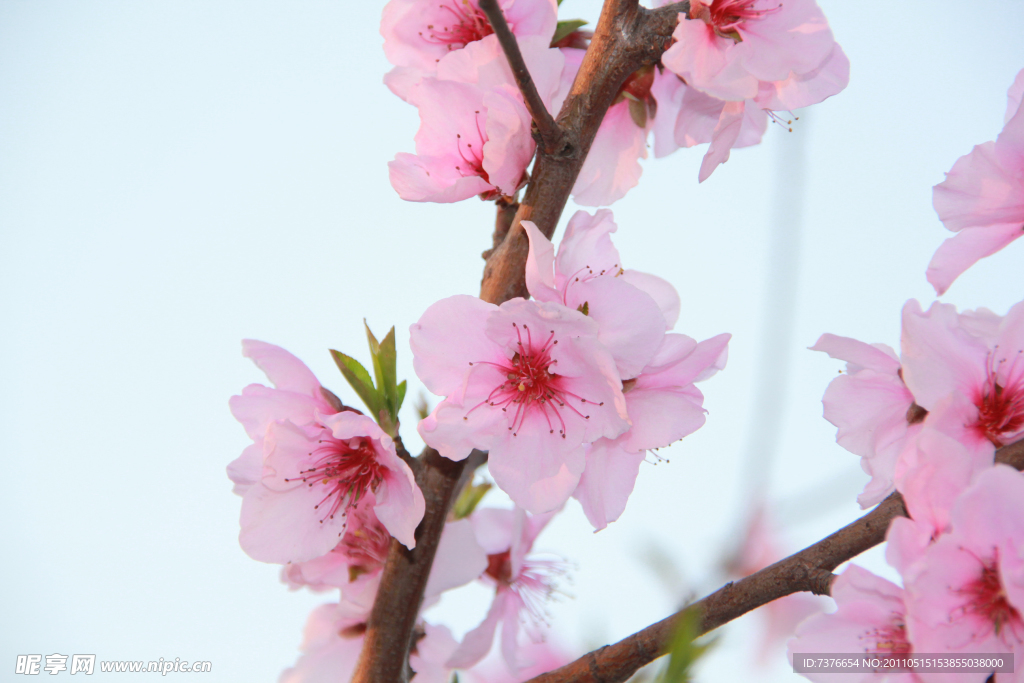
(432,179)
(540,264)
(287,372)
(607,482)
(662,291)
(477,642)
(447,337)
(587,245)
(280,521)
(967,247)
(630,322)
(1014,95)
(459,558)
(797,91)
(859,355)
(612,167)
(245,470)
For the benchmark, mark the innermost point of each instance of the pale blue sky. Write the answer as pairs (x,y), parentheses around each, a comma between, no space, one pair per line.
(175,176)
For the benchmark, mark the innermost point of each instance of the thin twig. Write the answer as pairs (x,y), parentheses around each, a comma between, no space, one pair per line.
(808,570)
(552,138)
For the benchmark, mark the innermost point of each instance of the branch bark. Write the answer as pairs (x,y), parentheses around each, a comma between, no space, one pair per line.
(551,137)
(808,570)
(627,37)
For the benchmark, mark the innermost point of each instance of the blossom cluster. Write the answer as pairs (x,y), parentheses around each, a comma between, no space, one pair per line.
(733,65)
(928,423)
(566,393)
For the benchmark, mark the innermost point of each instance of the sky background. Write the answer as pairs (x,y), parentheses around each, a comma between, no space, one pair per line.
(177,176)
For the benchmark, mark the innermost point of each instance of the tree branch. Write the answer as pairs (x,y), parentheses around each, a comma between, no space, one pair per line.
(627,37)
(552,138)
(808,570)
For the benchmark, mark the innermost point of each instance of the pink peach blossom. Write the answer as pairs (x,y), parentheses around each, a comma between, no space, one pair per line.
(975,354)
(474,136)
(298,509)
(870,617)
(726,48)
(419,34)
(872,409)
(966,594)
(982,199)
(537,658)
(522,584)
(310,464)
(528,381)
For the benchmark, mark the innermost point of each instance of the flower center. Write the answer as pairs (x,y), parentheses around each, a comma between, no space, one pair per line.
(889,639)
(463,24)
(535,583)
(530,386)
(988,601)
(345,469)
(1001,406)
(365,543)
(726,16)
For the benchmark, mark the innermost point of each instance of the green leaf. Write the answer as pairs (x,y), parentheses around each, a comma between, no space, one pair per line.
(469,499)
(360,380)
(584,308)
(422,407)
(388,360)
(683,650)
(378,371)
(401,395)
(566,27)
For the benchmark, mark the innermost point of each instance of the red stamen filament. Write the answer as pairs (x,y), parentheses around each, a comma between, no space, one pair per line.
(889,639)
(1001,406)
(345,470)
(468,24)
(987,600)
(472,156)
(726,16)
(531,386)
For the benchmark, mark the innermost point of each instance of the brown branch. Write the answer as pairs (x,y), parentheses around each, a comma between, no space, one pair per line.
(552,139)
(389,629)
(627,37)
(808,570)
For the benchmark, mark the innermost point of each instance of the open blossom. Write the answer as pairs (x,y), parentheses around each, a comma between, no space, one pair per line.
(314,467)
(522,583)
(664,406)
(966,592)
(474,136)
(727,48)
(587,275)
(975,354)
(982,199)
(419,33)
(870,617)
(872,408)
(528,381)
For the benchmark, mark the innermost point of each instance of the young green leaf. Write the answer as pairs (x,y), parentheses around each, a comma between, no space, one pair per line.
(683,650)
(360,380)
(388,360)
(469,499)
(566,27)
(401,396)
